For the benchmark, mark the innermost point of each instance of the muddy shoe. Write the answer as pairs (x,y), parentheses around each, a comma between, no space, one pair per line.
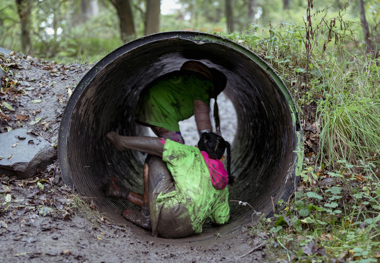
(137,217)
(115,189)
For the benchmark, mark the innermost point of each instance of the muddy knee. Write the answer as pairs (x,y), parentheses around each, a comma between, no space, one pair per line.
(157,171)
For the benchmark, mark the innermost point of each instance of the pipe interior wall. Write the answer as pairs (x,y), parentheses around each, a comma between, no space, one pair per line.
(266,150)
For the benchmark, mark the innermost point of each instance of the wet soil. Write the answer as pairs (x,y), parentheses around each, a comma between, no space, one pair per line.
(43,220)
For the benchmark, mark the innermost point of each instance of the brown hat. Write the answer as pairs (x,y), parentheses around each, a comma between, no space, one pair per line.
(218,78)
(198,67)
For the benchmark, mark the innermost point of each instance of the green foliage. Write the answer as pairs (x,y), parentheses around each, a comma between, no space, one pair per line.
(324,223)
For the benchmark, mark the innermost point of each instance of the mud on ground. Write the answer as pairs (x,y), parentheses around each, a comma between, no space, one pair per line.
(43,220)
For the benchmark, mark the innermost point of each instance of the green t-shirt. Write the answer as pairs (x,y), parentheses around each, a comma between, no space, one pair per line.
(193,187)
(170,99)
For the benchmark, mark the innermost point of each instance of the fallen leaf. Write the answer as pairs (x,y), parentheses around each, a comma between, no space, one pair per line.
(35,121)
(342,256)
(36,111)
(8,198)
(69,91)
(22,254)
(320,251)
(36,101)
(3,224)
(5,189)
(309,127)
(4,116)
(22,117)
(347,223)
(8,106)
(325,237)
(41,186)
(45,211)
(60,99)
(66,216)
(14,145)
(308,250)
(359,178)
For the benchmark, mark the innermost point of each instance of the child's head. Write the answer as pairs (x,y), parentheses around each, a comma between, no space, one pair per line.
(214,145)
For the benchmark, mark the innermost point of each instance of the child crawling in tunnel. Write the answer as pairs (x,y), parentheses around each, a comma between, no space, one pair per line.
(183,185)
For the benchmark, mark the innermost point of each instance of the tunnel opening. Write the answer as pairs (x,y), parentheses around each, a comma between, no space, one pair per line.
(267,147)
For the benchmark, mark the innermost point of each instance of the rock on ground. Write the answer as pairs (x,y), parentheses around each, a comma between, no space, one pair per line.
(5,51)
(22,153)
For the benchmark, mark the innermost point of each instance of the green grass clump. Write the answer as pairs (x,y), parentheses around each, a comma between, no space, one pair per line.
(350,129)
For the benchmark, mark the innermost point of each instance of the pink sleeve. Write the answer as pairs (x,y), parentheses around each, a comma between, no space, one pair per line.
(162,141)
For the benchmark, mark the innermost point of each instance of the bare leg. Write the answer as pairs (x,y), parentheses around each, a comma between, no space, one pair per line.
(146,185)
(144,144)
(135,199)
(141,217)
(116,190)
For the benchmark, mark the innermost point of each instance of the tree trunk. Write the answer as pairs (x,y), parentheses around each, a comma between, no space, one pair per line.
(252,4)
(229,16)
(364,23)
(24,9)
(124,12)
(152,16)
(94,7)
(89,8)
(285,4)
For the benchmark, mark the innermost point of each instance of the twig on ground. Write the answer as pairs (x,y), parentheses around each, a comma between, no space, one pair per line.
(252,250)
(105,222)
(245,204)
(274,208)
(290,196)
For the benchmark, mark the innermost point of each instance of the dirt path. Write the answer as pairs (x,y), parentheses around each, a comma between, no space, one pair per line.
(42,220)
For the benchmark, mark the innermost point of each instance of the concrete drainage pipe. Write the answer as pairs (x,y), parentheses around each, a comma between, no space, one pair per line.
(267,150)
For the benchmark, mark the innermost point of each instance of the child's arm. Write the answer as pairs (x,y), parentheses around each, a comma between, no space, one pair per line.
(202,116)
(149,145)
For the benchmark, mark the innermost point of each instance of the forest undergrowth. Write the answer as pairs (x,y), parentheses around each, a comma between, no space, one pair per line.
(334,215)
